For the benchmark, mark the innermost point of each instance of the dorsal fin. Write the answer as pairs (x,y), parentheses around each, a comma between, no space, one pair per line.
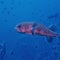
(52,27)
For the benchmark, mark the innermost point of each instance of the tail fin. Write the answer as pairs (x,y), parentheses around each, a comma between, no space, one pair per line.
(50,39)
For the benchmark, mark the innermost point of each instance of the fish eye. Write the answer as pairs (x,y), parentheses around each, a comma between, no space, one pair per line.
(19,26)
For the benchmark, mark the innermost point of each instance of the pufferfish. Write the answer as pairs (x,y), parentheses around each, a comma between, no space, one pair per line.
(33,28)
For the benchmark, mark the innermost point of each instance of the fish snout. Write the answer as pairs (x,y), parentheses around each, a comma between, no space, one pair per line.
(17,28)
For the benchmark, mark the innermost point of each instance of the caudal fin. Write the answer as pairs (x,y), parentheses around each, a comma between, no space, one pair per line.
(50,39)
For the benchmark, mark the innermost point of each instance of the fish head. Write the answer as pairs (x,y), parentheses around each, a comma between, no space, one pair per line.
(18,28)
(23,27)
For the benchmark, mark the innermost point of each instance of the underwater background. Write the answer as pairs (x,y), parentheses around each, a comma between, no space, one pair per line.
(16,46)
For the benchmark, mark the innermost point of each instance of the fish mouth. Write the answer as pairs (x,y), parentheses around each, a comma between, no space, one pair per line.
(18,30)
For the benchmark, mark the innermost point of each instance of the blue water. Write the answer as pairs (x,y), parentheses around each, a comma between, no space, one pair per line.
(16,46)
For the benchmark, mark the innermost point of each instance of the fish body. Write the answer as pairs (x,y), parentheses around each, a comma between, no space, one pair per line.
(35,29)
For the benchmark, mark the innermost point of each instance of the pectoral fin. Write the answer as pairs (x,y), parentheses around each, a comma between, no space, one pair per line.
(33,28)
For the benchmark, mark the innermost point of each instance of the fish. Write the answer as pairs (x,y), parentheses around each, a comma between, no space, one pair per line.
(34,28)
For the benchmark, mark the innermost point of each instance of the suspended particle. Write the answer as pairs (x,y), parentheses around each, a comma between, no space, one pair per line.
(8,12)
(2,50)
(56,15)
(12,8)
(12,52)
(58,43)
(9,30)
(5,8)
(56,55)
(54,48)
(2,11)
(12,2)
(13,14)
(2,2)
(5,20)
(36,46)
